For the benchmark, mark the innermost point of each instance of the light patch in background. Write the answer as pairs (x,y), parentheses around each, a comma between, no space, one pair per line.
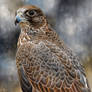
(6,19)
(71,26)
(49,5)
(4,11)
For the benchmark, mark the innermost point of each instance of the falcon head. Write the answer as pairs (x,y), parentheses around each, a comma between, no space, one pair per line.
(30,15)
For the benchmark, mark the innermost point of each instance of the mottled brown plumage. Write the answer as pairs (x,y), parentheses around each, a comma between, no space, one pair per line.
(44,63)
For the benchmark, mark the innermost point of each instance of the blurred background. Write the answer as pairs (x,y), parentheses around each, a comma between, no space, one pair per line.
(72,20)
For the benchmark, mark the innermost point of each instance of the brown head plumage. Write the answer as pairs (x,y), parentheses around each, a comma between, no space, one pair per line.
(30,15)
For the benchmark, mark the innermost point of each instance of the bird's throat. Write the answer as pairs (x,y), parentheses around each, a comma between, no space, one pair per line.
(29,33)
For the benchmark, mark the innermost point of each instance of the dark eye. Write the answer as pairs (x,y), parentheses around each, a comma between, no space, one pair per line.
(31,13)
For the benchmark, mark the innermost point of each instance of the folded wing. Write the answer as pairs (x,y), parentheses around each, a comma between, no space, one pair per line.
(53,69)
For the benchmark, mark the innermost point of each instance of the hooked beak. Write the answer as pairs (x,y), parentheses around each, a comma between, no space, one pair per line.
(17,20)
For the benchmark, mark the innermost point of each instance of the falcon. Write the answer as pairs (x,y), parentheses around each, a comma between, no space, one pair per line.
(44,62)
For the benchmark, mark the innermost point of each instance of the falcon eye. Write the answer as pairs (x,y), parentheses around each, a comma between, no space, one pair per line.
(31,13)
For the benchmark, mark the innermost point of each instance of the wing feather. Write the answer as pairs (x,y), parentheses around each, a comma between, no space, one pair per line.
(25,85)
(50,68)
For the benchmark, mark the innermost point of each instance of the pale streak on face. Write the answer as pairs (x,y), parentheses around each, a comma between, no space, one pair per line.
(21,10)
(20,14)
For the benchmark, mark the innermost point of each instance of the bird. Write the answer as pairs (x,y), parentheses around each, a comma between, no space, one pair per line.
(44,63)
